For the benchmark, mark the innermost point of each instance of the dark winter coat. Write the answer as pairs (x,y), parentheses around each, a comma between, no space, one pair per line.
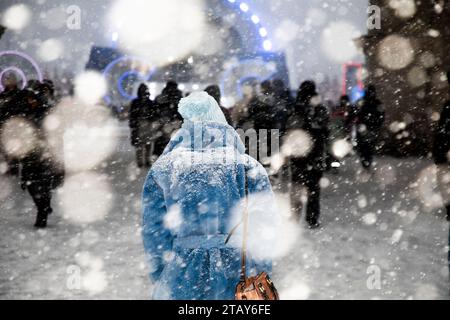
(262,113)
(370,121)
(284,104)
(314,120)
(143,117)
(8,104)
(441,145)
(370,115)
(39,166)
(167,103)
(167,106)
(351,115)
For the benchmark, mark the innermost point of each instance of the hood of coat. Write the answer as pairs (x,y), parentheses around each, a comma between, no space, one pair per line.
(203,136)
(201,107)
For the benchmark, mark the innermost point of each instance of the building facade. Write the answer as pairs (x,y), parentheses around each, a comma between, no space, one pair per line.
(407,56)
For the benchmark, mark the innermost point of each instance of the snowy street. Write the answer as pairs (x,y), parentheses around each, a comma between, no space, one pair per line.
(381,225)
(224,149)
(368,228)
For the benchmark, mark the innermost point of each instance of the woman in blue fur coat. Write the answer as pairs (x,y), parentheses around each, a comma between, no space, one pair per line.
(193,197)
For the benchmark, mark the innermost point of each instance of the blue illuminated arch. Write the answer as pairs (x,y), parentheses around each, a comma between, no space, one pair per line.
(19,71)
(243,63)
(244,8)
(126,74)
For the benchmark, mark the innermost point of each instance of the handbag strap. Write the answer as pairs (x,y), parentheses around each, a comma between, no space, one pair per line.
(244,221)
(244,236)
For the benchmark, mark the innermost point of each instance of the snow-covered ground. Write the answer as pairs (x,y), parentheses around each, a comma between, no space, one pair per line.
(383,237)
(384,227)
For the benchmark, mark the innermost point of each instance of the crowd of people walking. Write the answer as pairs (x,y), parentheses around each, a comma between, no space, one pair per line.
(217,185)
(37,169)
(155,133)
(266,107)
(269,105)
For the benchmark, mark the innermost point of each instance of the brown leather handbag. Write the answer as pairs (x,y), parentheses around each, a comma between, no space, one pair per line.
(260,287)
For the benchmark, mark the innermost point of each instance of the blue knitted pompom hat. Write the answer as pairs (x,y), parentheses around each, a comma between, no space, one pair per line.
(201,107)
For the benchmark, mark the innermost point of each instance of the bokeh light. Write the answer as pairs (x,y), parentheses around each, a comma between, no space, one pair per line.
(403,8)
(90,87)
(17,17)
(50,50)
(155,29)
(298,143)
(341,148)
(268,218)
(81,136)
(18,137)
(338,41)
(85,198)
(395,52)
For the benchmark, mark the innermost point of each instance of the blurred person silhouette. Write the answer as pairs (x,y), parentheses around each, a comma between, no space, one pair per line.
(214,91)
(9,100)
(45,94)
(240,114)
(48,94)
(339,117)
(284,103)
(262,114)
(350,115)
(142,116)
(370,120)
(339,128)
(261,107)
(41,173)
(169,118)
(312,117)
(283,106)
